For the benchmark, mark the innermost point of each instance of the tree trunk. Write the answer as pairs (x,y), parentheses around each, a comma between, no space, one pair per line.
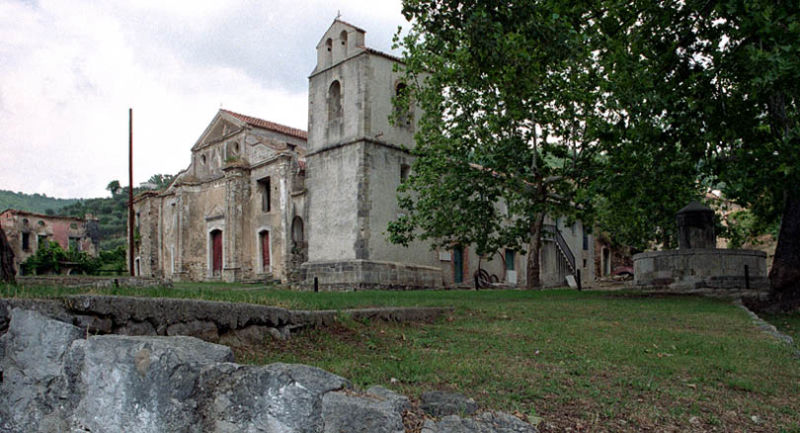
(7,270)
(534,247)
(784,276)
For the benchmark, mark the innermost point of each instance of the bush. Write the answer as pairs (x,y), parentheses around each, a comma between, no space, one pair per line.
(51,258)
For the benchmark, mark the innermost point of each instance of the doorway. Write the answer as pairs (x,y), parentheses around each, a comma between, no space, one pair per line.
(216,253)
(458,265)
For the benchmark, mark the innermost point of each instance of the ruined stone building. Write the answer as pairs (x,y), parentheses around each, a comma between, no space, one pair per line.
(261,201)
(27,232)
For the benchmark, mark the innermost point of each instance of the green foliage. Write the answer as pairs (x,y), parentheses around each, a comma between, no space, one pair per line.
(696,91)
(502,86)
(744,227)
(162,181)
(51,258)
(38,203)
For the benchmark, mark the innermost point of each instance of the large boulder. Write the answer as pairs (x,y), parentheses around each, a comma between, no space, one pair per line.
(378,411)
(143,384)
(32,392)
(274,398)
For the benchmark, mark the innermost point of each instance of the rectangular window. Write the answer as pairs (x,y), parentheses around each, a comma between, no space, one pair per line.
(26,242)
(585,239)
(42,240)
(266,199)
(75,244)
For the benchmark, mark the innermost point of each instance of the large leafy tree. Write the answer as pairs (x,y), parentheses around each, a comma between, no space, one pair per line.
(715,84)
(504,88)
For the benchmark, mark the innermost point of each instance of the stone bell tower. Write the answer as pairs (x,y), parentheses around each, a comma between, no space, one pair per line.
(355,161)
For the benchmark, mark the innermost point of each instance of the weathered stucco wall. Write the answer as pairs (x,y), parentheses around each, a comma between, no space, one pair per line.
(331,179)
(39,228)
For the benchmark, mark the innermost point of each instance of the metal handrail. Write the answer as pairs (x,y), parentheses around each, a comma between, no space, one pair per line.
(562,245)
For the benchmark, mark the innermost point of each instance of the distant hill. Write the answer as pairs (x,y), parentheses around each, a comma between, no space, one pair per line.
(38,203)
(111,212)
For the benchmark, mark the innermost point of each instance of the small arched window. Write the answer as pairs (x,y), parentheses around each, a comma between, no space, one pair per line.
(328,52)
(402,102)
(343,39)
(335,114)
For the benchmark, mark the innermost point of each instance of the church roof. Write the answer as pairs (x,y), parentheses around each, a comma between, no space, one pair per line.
(266,124)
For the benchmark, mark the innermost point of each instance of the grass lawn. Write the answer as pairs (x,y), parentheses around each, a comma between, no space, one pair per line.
(589,361)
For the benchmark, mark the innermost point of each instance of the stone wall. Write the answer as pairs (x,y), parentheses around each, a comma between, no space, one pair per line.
(211,321)
(369,274)
(56,378)
(717,270)
(74,281)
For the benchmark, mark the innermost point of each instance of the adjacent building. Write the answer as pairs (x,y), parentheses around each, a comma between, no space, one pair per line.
(28,231)
(262,201)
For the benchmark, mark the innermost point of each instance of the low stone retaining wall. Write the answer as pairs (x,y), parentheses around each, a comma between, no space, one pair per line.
(230,323)
(81,281)
(349,275)
(707,271)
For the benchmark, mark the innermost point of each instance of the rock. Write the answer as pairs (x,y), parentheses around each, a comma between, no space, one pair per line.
(94,324)
(273,398)
(378,411)
(137,328)
(203,330)
(486,422)
(440,403)
(399,402)
(143,384)
(32,365)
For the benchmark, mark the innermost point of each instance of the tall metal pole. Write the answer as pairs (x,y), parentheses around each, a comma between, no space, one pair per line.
(130,191)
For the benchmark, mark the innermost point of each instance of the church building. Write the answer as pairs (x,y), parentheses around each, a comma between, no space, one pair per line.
(262,201)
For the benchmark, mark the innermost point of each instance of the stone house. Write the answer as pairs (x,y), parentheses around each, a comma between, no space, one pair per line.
(263,201)
(27,232)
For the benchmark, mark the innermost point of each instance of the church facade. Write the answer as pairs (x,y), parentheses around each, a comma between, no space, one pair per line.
(261,201)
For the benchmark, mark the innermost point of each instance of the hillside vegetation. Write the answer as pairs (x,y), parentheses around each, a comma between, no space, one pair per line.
(39,203)
(111,212)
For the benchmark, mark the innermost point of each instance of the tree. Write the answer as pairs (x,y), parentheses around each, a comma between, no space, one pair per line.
(114,188)
(503,88)
(161,181)
(716,81)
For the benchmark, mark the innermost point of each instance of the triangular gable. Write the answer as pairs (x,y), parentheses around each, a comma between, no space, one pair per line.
(336,28)
(221,123)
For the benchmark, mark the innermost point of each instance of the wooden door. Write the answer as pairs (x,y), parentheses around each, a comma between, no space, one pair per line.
(265,260)
(216,253)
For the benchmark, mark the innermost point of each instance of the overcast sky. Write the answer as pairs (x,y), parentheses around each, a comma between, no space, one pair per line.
(70,69)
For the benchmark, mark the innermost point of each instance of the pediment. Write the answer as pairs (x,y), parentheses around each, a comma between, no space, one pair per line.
(221,126)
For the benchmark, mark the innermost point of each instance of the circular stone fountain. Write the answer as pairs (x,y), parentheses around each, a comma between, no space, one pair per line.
(697,265)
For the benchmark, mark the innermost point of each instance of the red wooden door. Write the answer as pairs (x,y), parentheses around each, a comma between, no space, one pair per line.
(265,250)
(216,255)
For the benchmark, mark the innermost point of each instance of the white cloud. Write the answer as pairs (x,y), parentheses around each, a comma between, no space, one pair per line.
(69,71)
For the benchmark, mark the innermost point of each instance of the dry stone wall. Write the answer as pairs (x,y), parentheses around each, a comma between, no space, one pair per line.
(230,323)
(55,379)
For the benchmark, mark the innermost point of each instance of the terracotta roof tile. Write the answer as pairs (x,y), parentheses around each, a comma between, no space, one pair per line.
(266,124)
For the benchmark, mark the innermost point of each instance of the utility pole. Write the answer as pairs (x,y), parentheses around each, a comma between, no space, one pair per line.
(130,191)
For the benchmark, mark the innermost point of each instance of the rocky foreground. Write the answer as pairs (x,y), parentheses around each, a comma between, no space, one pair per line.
(54,379)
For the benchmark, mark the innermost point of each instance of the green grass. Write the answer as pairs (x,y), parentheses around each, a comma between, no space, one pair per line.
(597,361)
(788,323)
